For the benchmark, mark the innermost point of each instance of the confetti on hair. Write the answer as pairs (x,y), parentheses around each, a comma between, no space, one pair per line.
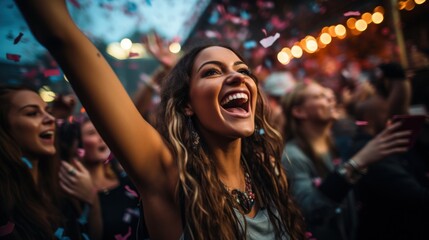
(27,162)
(51,72)
(18,38)
(261,131)
(13,57)
(267,42)
(80,152)
(361,123)
(351,13)
(130,193)
(7,229)
(75,3)
(83,219)
(125,237)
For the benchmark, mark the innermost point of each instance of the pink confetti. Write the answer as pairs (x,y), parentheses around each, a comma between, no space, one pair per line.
(109,158)
(361,123)
(125,237)
(80,152)
(351,13)
(13,57)
(317,181)
(132,192)
(59,121)
(52,72)
(7,228)
(336,161)
(133,54)
(265,32)
(267,42)
(18,38)
(75,3)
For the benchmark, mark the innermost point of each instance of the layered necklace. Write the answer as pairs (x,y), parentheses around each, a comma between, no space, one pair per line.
(244,200)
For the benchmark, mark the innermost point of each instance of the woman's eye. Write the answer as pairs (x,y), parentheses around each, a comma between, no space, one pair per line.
(245,71)
(211,72)
(32,113)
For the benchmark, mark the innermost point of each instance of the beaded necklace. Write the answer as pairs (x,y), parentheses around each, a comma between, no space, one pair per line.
(245,200)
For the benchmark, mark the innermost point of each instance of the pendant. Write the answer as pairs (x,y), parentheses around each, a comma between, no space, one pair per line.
(243,201)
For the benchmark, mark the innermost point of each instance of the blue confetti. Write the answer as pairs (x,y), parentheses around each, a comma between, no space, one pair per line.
(85,237)
(214,17)
(244,15)
(27,162)
(261,131)
(249,44)
(83,219)
(59,234)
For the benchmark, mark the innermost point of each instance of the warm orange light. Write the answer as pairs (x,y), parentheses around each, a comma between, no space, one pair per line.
(351,23)
(325,38)
(296,51)
(340,30)
(367,17)
(379,9)
(361,25)
(410,5)
(283,57)
(377,18)
(331,31)
(419,1)
(311,44)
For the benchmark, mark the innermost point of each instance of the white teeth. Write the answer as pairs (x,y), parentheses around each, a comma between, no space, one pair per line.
(233,96)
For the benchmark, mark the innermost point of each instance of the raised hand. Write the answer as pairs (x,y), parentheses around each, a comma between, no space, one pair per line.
(159,49)
(76,181)
(389,141)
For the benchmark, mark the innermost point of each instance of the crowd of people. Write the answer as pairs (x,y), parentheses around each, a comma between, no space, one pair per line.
(204,151)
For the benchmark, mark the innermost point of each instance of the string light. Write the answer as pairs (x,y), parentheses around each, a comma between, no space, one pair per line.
(377,18)
(296,50)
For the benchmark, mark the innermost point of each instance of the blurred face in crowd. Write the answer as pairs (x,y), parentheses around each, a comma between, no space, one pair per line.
(31,125)
(94,146)
(319,104)
(223,94)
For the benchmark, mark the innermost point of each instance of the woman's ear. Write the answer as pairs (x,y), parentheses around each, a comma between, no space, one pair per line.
(299,113)
(188,110)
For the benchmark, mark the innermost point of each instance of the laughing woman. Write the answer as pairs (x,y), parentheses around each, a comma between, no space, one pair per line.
(205,172)
(32,205)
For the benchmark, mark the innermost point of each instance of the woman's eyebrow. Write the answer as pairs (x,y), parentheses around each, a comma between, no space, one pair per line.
(218,63)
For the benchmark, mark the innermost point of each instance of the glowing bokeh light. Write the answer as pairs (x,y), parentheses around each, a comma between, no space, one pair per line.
(361,25)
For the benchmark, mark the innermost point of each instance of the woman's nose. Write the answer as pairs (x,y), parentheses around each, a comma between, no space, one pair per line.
(48,119)
(236,78)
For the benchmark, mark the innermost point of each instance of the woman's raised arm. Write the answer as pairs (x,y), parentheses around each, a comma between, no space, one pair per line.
(139,146)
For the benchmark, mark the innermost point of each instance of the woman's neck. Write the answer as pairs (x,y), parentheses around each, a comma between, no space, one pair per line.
(317,135)
(228,164)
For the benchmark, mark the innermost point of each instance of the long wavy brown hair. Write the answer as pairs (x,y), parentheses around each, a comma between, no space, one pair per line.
(207,213)
(32,208)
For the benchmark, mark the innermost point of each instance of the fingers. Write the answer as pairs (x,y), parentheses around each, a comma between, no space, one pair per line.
(78,165)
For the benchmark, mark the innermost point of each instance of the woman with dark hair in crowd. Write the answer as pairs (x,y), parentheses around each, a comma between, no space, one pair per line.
(79,140)
(320,181)
(206,173)
(32,205)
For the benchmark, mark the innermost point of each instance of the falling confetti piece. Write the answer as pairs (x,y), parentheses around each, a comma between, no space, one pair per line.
(80,152)
(7,228)
(83,219)
(59,121)
(317,181)
(265,32)
(361,123)
(125,237)
(249,44)
(109,158)
(133,54)
(18,38)
(267,42)
(132,192)
(51,72)
(13,57)
(351,13)
(27,162)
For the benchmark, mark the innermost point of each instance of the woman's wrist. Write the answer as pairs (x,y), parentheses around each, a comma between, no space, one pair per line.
(351,171)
